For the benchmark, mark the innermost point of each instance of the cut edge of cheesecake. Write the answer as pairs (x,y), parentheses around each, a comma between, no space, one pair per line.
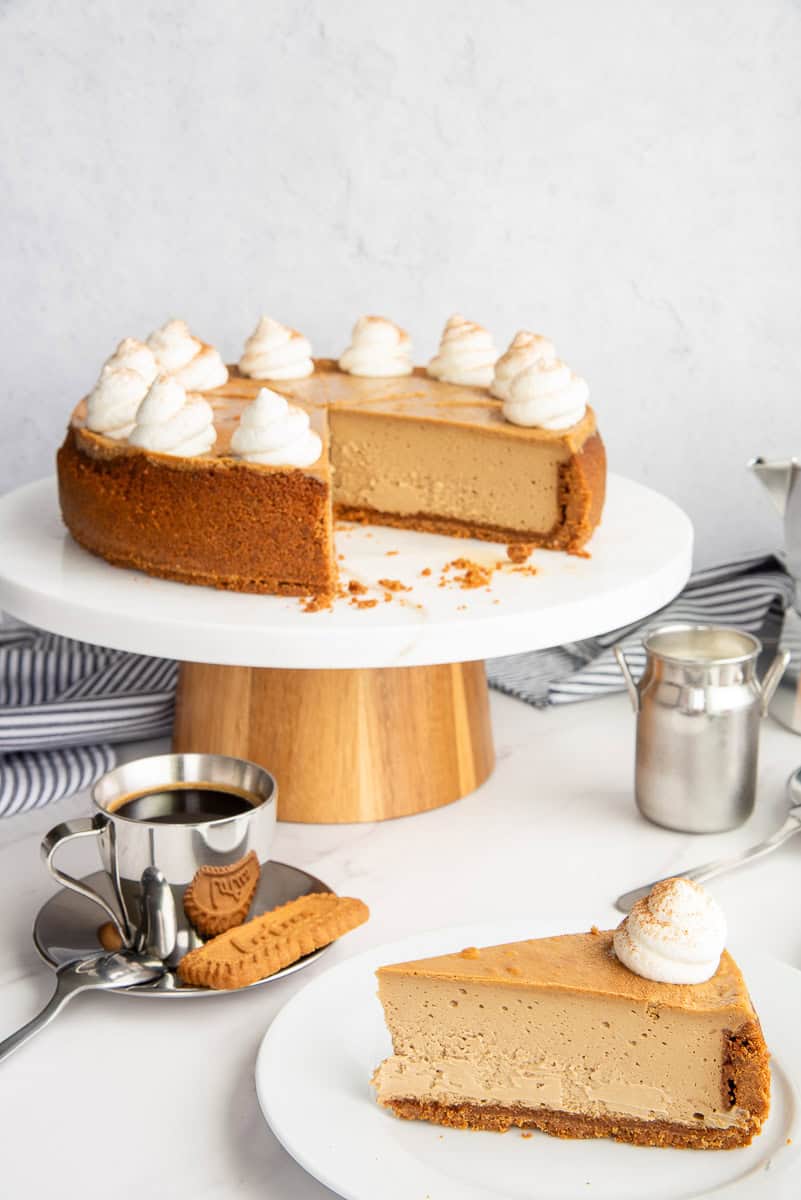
(579,500)
(456,1006)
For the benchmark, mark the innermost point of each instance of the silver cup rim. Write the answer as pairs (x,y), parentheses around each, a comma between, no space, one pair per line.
(191,759)
(687,660)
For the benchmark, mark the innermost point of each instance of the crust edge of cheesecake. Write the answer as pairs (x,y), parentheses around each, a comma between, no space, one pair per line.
(95,494)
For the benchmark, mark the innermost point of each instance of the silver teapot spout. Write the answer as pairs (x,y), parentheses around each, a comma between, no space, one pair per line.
(779,479)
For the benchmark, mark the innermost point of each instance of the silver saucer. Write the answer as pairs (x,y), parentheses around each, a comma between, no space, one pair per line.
(67,924)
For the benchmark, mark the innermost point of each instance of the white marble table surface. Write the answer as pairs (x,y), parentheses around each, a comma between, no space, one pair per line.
(553,833)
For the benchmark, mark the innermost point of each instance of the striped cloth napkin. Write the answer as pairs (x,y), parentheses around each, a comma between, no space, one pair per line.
(63,703)
(751,594)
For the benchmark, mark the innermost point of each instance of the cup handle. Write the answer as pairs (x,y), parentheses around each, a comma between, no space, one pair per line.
(67,831)
(771,679)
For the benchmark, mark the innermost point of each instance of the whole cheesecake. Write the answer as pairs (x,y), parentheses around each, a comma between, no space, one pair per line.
(414,452)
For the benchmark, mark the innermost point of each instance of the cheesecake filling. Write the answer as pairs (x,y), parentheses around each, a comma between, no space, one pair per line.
(406,466)
(455,1081)
(597,1057)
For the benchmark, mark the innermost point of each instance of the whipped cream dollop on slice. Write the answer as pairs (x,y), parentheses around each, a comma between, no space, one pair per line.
(466,354)
(675,934)
(112,403)
(136,356)
(378,349)
(525,349)
(170,422)
(274,351)
(195,364)
(276,433)
(548,395)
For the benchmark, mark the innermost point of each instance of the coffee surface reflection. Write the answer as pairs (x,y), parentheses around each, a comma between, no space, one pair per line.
(184,804)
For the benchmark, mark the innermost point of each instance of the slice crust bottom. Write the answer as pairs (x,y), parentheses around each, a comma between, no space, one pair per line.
(499,1119)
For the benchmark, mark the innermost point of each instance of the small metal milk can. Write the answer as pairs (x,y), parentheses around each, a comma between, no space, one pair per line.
(698,706)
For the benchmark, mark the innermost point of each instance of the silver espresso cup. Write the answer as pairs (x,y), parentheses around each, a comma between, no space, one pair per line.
(172,852)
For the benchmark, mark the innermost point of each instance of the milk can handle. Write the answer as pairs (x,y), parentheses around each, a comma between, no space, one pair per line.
(771,679)
(627,675)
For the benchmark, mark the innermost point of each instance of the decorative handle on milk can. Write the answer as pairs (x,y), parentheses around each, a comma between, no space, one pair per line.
(771,680)
(631,686)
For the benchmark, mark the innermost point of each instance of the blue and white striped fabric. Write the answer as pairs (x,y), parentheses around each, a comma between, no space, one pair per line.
(33,779)
(746,594)
(61,703)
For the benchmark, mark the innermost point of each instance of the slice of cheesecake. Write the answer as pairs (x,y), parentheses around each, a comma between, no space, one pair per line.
(556,1034)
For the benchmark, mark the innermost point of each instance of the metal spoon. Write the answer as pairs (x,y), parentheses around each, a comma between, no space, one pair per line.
(792,824)
(104,971)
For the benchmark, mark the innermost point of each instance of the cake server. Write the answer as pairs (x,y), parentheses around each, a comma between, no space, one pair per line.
(791,825)
(104,971)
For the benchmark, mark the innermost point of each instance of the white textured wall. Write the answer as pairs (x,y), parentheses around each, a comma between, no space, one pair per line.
(624,176)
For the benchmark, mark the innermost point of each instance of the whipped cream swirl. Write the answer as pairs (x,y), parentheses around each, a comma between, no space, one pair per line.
(676,934)
(547,395)
(136,356)
(466,354)
(169,422)
(274,351)
(524,350)
(196,365)
(276,433)
(378,349)
(111,405)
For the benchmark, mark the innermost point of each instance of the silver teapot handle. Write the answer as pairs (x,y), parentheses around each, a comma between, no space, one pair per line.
(771,680)
(629,678)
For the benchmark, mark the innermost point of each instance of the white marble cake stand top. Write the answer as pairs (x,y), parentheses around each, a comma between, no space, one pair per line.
(640,558)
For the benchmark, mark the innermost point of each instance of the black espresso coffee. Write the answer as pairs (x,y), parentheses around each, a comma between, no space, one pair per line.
(184,804)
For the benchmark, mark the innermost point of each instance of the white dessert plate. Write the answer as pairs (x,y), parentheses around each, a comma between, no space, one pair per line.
(316,1059)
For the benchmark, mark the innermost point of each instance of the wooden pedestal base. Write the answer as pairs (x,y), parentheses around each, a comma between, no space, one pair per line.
(359,745)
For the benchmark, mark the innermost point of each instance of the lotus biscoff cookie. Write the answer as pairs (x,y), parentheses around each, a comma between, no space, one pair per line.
(218,898)
(272,941)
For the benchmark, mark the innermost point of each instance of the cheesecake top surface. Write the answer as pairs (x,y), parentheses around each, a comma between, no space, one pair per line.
(227,410)
(582,963)
(416,396)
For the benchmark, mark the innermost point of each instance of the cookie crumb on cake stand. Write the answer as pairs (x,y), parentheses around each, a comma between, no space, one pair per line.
(369,709)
